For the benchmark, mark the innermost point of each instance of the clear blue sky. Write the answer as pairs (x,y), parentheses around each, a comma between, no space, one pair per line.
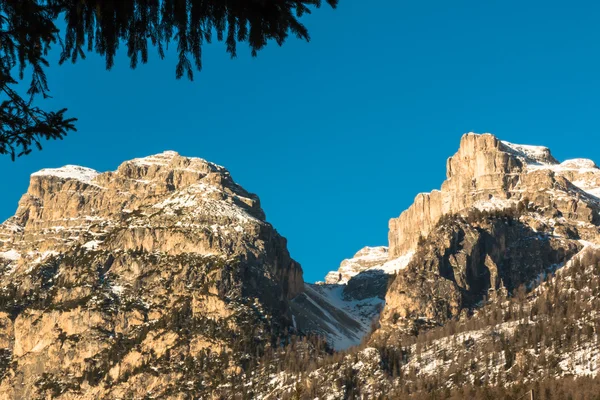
(337,136)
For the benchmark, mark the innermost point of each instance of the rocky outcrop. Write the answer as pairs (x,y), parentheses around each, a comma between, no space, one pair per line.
(487,173)
(366,258)
(505,215)
(164,280)
(367,274)
(119,284)
(466,261)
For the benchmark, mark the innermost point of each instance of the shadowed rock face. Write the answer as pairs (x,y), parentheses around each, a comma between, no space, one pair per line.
(344,307)
(107,279)
(465,261)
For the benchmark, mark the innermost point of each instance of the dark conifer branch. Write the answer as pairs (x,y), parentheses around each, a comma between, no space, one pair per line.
(28,30)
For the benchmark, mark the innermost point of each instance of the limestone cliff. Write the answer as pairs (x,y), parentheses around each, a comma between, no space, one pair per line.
(163,279)
(489,173)
(136,282)
(364,259)
(506,215)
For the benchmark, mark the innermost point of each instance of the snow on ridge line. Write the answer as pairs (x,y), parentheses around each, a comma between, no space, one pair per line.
(369,253)
(76,172)
(164,158)
(539,155)
(156,159)
(579,163)
(397,264)
(87,175)
(388,267)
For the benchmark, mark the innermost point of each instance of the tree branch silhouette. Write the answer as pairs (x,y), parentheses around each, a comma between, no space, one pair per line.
(28,30)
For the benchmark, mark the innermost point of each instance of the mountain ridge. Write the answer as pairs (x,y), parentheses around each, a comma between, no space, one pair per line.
(105,277)
(164,277)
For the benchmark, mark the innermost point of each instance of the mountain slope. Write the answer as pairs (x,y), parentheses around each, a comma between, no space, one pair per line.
(161,279)
(506,214)
(499,296)
(546,340)
(344,307)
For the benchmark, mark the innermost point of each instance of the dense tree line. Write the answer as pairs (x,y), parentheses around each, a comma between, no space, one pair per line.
(532,339)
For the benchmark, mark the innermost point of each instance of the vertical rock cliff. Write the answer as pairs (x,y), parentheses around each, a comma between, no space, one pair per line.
(486,172)
(505,215)
(153,280)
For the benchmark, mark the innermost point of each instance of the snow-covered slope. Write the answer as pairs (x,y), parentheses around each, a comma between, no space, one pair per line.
(367,259)
(344,307)
(323,309)
(82,174)
(536,155)
(581,172)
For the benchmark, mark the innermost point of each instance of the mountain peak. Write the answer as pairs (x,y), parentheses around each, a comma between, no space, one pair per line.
(166,254)
(365,258)
(76,172)
(488,173)
(496,223)
(170,157)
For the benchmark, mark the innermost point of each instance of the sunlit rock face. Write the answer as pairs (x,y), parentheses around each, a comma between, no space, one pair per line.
(365,258)
(487,173)
(107,278)
(163,279)
(505,215)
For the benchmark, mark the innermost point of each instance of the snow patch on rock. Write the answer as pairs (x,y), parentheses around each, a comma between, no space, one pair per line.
(11,255)
(76,172)
(530,154)
(364,259)
(367,259)
(397,264)
(92,245)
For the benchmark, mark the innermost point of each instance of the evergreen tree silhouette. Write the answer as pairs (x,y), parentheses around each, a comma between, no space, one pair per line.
(28,30)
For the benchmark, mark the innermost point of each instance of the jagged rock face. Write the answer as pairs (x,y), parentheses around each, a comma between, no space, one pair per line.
(465,261)
(486,172)
(548,333)
(505,214)
(367,273)
(365,258)
(165,203)
(111,282)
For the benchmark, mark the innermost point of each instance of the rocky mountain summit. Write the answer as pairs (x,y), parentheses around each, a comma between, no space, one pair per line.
(498,295)
(366,258)
(489,174)
(131,283)
(163,279)
(505,215)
